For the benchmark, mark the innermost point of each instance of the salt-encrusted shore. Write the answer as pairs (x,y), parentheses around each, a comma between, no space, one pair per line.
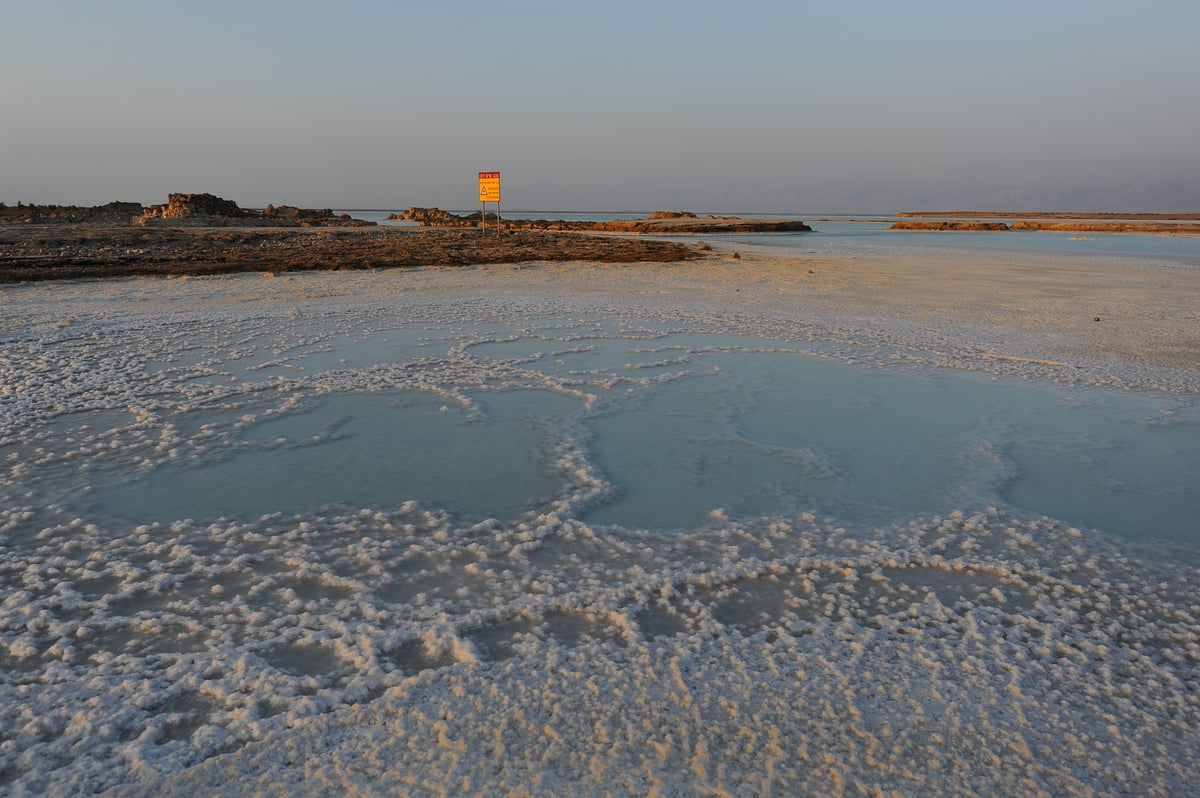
(968,653)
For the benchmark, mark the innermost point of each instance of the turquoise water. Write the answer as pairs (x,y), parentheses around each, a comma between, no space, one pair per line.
(347,451)
(672,429)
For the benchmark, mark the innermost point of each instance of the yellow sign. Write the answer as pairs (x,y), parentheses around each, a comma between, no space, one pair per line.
(489,186)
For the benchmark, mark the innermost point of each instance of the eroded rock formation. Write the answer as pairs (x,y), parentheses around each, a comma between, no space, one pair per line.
(211,210)
(188,206)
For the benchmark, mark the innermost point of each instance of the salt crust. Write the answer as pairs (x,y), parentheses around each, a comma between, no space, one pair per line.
(396,650)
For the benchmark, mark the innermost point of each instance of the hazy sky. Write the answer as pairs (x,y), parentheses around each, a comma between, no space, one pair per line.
(789,106)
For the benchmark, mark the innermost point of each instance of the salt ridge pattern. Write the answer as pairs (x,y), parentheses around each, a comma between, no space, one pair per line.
(980,650)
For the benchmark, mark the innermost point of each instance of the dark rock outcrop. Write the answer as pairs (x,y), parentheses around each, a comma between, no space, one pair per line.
(110,213)
(189,206)
(208,210)
(954,225)
(430,217)
(295,214)
(60,252)
(659,222)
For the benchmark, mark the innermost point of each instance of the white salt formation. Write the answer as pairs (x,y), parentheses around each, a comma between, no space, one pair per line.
(327,532)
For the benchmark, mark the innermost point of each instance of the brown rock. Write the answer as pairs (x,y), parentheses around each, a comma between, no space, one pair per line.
(659,222)
(111,213)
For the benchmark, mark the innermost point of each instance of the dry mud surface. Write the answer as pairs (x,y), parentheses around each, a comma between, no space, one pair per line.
(397,651)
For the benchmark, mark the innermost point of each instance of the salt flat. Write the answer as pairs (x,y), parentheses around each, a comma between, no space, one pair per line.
(423,643)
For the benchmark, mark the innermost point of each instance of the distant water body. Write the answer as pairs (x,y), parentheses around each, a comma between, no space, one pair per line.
(841,234)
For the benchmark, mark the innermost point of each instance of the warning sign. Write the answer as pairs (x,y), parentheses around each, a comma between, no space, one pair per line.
(489,186)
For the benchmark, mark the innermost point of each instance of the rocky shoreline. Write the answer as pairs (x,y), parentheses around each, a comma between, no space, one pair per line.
(658,222)
(202,234)
(65,252)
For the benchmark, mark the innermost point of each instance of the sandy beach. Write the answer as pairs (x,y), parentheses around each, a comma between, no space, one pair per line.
(977,653)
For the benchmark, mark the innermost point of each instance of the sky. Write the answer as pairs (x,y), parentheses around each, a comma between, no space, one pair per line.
(797,107)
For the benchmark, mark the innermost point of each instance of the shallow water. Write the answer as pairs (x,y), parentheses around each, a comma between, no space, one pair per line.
(221,522)
(351,451)
(681,425)
(860,238)
(838,235)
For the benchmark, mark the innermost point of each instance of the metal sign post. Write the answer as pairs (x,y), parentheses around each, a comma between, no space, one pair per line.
(489,191)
